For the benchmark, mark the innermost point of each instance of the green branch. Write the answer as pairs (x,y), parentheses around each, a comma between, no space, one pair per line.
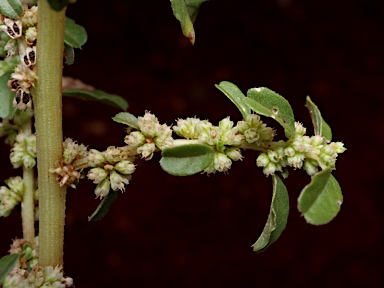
(49,137)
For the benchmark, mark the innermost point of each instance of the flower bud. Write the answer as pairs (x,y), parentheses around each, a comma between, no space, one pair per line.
(97,175)
(16,184)
(226,124)
(251,135)
(134,139)
(310,167)
(102,189)
(118,180)
(146,150)
(234,154)
(222,162)
(125,167)
(262,160)
(112,155)
(299,129)
(317,140)
(72,150)
(147,124)
(270,168)
(289,151)
(338,147)
(95,158)
(273,156)
(28,161)
(187,128)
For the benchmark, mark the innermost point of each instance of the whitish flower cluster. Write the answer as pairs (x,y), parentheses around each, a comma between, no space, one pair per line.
(23,152)
(47,277)
(28,274)
(67,172)
(11,196)
(151,137)
(303,151)
(112,169)
(226,138)
(23,34)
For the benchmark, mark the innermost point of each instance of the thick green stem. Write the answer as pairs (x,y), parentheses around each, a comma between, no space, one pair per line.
(49,135)
(28,205)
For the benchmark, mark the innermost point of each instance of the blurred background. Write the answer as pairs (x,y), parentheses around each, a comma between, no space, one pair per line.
(197,231)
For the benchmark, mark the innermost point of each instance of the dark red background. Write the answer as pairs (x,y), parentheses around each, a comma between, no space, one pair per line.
(196,231)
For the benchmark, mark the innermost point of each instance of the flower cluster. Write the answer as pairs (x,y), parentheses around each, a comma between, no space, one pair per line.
(68,173)
(112,169)
(151,136)
(302,151)
(23,152)
(22,43)
(226,138)
(11,196)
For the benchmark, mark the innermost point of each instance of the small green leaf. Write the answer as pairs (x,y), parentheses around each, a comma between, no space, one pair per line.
(74,35)
(268,103)
(69,54)
(277,218)
(58,5)
(320,126)
(321,199)
(6,97)
(187,159)
(11,8)
(127,119)
(6,265)
(235,95)
(98,95)
(104,206)
(186,12)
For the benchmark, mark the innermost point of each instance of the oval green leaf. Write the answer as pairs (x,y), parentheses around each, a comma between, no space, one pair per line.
(104,206)
(268,103)
(98,95)
(6,265)
(235,95)
(277,218)
(320,126)
(187,159)
(320,200)
(11,8)
(69,54)
(127,119)
(6,97)
(186,12)
(58,5)
(75,34)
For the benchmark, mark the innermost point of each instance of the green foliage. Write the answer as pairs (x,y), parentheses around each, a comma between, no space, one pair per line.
(6,265)
(187,159)
(320,200)
(11,8)
(6,97)
(75,34)
(69,54)
(186,12)
(104,206)
(268,103)
(277,218)
(320,126)
(235,95)
(127,119)
(98,95)
(58,5)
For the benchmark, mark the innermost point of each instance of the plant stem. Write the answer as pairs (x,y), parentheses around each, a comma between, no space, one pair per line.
(28,203)
(49,135)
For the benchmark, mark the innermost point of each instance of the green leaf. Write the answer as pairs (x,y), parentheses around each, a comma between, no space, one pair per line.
(321,199)
(320,126)
(6,97)
(127,119)
(104,206)
(69,54)
(268,103)
(277,218)
(98,95)
(235,95)
(187,159)
(186,12)
(11,8)
(58,5)
(6,265)
(74,35)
